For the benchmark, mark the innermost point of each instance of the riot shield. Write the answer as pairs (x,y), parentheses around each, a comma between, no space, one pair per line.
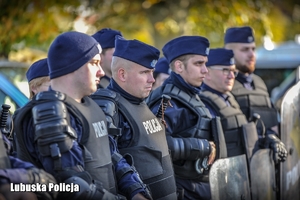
(262,175)
(228,179)
(290,136)
(261,166)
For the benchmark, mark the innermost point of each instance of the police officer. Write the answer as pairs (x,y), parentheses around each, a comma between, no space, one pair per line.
(14,171)
(189,132)
(106,38)
(38,80)
(64,132)
(215,93)
(250,90)
(38,77)
(161,72)
(216,96)
(142,135)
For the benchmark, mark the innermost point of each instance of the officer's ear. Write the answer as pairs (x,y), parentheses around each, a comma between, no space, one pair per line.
(178,66)
(33,89)
(122,74)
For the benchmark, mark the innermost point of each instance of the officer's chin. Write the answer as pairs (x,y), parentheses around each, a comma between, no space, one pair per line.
(146,95)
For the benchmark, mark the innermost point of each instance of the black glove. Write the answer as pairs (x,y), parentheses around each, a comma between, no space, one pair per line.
(36,175)
(279,150)
(89,188)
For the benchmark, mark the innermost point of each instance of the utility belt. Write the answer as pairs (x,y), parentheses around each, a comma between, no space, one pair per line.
(203,178)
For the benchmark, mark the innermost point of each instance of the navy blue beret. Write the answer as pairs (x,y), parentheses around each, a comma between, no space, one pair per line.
(220,56)
(239,35)
(37,69)
(162,66)
(185,45)
(69,51)
(106,37)
(136,51)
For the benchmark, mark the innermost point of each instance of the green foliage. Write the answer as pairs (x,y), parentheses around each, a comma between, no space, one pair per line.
(164,20)
(34,23)
(29,22)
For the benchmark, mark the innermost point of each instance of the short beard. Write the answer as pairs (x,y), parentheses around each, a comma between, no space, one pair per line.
(245,69)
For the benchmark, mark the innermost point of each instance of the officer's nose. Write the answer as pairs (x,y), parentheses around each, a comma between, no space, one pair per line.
(204,69)
(100,72)
(252,53)
(231,74)
(151,78)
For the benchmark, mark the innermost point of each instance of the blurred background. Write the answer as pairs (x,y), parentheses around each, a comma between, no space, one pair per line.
(28,27)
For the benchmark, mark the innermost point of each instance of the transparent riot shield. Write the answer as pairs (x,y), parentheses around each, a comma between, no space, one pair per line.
(262,175)
(228,179)
(290,136)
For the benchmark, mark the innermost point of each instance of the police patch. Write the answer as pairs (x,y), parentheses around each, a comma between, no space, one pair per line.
(232,61)
(250,39)
(153,63)
(207,51)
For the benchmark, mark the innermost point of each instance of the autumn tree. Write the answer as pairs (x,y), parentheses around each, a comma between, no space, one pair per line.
(157,21)
(33,22)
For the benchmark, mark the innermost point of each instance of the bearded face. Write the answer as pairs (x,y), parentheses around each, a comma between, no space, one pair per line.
(244,56)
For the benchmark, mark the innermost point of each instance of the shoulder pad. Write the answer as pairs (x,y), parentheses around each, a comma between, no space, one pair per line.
(108,102)
(101,92)
(50,95)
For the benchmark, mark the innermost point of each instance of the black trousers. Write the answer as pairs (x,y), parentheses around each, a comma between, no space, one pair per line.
(192,190)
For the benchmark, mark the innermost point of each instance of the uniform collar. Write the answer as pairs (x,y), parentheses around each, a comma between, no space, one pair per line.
(244,78)
(113,85)
(178,81)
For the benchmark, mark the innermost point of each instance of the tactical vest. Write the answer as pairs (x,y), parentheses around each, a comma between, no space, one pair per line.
(148,145)
(232,120)
(255,101)
(97,157)
(202,129)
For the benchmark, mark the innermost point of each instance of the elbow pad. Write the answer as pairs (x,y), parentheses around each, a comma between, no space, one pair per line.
(188,148)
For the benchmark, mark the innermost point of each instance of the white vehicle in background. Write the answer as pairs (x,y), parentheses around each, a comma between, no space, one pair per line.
(278,68)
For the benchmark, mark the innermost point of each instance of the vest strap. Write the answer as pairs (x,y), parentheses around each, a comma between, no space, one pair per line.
(56,156)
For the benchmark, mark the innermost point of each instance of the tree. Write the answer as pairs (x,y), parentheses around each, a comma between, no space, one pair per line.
(161,20)
(33,23)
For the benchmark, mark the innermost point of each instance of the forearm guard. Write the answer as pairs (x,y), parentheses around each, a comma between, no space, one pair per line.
(188,148)
(31,176)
